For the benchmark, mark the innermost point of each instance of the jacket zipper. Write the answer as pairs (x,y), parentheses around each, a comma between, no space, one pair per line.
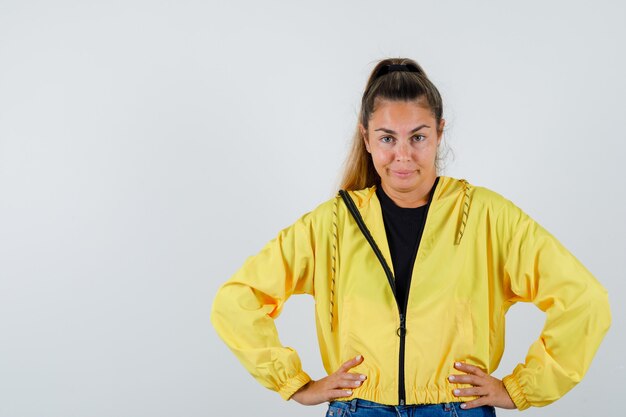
(402,334)
(401,331)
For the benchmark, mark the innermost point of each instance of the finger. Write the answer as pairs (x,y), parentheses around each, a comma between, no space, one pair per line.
(346,383)
(339,393)
(470,392)
(470,369)
(475,403)
(351,376)
(346,380)
(350,363)
(466,379)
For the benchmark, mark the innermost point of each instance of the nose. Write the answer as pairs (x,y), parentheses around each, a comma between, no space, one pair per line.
(403,152)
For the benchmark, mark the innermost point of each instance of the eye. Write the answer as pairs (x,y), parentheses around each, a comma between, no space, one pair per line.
(419,138)
(386,139)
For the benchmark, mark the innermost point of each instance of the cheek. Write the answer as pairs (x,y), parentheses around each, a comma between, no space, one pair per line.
(382,157)
(426,154)
(379,163)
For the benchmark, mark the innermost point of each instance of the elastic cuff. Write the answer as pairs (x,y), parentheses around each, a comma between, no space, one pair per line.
(515,392)
(294,384)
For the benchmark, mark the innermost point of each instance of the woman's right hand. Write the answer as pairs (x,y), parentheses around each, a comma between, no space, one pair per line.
(336,385)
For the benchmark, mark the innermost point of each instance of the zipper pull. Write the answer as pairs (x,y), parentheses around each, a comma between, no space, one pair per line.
(402,329)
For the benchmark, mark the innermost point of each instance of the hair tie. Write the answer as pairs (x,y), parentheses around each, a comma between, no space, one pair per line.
(386,69)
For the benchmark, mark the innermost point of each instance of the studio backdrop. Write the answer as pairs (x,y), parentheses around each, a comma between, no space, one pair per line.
(148,148)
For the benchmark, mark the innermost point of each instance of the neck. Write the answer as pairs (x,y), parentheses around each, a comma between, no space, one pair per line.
(411,199)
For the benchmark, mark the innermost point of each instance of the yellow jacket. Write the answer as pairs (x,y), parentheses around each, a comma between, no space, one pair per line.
(479,254)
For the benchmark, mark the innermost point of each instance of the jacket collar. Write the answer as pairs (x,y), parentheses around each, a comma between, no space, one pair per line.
(447,188)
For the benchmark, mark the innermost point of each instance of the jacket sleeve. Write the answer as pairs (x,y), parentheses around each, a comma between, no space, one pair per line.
(245,307)
(540,270)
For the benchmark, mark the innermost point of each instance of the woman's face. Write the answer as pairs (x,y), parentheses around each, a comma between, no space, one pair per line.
(402,138)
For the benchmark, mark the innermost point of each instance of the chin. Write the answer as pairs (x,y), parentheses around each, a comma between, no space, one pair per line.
(404,186)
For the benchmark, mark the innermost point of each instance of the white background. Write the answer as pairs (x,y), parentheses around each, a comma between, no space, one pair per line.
(148,147)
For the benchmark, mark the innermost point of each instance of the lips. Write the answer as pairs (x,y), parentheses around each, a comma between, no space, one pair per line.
(402,173)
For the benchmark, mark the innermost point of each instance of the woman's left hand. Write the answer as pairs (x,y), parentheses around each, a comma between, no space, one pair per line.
(490,390)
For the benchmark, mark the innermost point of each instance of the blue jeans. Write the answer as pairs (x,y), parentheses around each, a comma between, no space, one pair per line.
(363,408)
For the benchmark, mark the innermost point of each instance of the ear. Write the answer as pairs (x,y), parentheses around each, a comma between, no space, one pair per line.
(363,132)
(442,124)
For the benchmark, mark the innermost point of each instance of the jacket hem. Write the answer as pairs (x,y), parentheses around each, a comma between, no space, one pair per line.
(433,395)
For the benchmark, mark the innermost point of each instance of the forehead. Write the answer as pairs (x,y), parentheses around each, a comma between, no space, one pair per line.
(401,113)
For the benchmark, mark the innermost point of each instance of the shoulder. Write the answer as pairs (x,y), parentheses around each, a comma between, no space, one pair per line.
(506,216)
(329,208)
(322,216)
(490,198)
(482,196)
(481,201)
(324,210)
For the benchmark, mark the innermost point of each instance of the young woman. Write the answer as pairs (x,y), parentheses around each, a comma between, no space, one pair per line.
(412,275)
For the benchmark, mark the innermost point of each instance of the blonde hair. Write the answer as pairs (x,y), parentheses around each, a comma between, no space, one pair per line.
(411,84)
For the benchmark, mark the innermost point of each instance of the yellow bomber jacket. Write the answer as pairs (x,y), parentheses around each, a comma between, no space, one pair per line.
(479,254)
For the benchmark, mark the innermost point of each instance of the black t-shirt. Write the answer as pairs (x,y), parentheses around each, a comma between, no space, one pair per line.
(404,227)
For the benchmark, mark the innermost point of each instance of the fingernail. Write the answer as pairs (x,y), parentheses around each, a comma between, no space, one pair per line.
(349,392)
(463,405)
(358,357)
(457,391)
(357,383)
(457,364)
(362,377)
(451,377)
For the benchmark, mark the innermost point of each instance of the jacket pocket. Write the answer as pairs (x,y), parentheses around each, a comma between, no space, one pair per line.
(465,328)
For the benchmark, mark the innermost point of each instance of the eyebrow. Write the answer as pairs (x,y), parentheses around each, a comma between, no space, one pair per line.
(391,132)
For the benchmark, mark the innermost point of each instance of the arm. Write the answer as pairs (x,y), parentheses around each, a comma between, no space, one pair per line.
(540,270)
(245,307)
